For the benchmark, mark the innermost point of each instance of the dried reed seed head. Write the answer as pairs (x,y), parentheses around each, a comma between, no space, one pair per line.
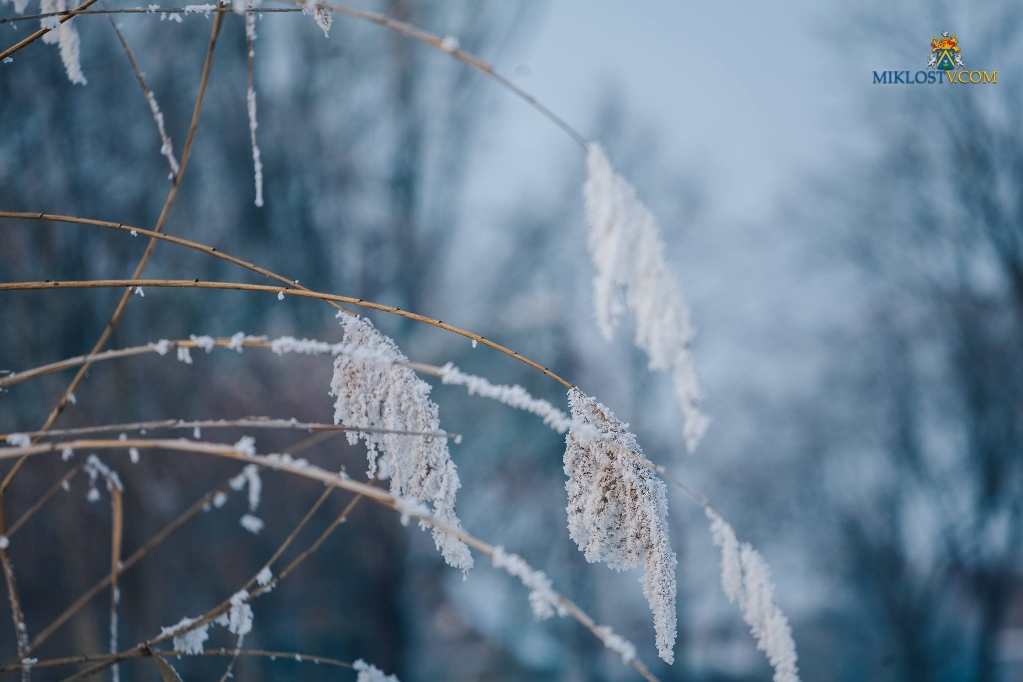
(618,510)
(372,391)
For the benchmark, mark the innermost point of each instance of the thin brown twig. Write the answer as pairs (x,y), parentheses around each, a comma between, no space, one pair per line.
(225,605)
(144,10)
(246,423)
(236,286)
(165,144)
(64,16)
(17,615)
(190,513)
(116,538)
(253,653)
(313,473)
(47,496)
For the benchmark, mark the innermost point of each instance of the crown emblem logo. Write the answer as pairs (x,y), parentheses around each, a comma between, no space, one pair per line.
(945,53)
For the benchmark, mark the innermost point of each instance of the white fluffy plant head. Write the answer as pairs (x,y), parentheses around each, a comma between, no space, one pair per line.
(373,392)
(618,510)
(746,580)
(633,274)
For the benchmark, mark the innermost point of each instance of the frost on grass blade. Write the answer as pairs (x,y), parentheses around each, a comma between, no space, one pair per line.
(65,36)
(370,673)
(746,579)
(724,538)
(632,272)
(379,395)
(618,511)
(542,598)
(617,644)
(257,162)
(517,397)
(166,149)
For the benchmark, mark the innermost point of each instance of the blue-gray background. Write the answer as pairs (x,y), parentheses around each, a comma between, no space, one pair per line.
(852,252)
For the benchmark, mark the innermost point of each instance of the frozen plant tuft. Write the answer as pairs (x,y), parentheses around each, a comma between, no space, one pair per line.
(618,510)
(746,579)
(65,36)
(632,272)
(389,396)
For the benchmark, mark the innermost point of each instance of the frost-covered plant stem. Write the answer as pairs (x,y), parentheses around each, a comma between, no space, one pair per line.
(311,472)
(250,37)
(166,148)
(746,580)
(633,273)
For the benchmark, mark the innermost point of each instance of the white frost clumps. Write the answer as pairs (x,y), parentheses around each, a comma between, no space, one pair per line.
(246,445)
(184,355)
(19,440)
(731,567)
(264,576)
(200,9)
(746,579)
(517,397)
(239,618)
(249,476)
(65,36)
(96,468)
(207,343)
(627,251)
(236,342)
(257,162)
(617,644)
(617,511)
(161,347)
(371,673)
(251,523)
(188,641)
(542,598)
(323,17)
(389,396)
(165,142)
